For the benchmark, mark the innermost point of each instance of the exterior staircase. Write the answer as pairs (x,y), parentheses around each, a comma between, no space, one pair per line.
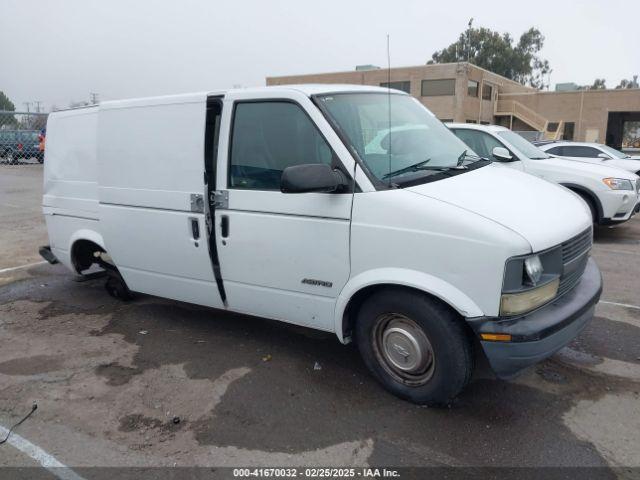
(513,108)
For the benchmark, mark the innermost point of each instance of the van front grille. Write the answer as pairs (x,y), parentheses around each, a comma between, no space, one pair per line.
(570,280)
(574,258)
(578,245)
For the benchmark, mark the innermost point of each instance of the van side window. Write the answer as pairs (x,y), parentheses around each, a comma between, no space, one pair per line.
(480,142)
(269,137)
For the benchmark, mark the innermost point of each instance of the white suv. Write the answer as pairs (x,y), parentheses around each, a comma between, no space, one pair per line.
(611,193)
(593,153)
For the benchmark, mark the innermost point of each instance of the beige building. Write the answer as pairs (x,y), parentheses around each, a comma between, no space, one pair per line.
(462,92)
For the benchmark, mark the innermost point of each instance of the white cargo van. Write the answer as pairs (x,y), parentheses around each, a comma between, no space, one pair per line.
(266,202)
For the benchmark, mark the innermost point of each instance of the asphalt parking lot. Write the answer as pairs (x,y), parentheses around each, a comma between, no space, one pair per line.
(160,383)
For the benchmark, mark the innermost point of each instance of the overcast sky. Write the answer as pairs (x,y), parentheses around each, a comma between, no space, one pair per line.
(59,51)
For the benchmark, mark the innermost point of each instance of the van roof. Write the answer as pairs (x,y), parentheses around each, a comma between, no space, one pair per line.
(306,89)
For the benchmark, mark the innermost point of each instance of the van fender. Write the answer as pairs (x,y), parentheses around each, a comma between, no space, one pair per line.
(407,278)
(86,234)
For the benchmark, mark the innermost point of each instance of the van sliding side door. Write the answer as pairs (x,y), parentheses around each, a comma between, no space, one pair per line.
(151,192)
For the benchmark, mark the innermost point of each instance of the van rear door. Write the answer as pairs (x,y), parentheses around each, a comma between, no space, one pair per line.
(283,256)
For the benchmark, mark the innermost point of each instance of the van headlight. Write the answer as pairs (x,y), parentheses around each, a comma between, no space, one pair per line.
(534,269)
(518,303)
(618,183)
(530,281)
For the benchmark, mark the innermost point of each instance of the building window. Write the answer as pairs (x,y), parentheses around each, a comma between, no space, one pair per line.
(552,126)
(472,121)
(437,88)
(402,86)
(487,92)
(569,131)
(485,123)
(447,120)
(472,88)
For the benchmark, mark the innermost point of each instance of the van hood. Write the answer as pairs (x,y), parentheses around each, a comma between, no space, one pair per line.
(543,213)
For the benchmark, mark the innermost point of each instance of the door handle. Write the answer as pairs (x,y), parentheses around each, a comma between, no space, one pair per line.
(195,228)
(224,226)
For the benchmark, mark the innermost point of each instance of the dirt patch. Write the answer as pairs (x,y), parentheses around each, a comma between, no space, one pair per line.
(31,365)
(116,374)
(137,422)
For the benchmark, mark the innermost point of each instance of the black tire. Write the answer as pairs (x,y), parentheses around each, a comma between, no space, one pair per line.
(451,346)
(591,204)
(117,288)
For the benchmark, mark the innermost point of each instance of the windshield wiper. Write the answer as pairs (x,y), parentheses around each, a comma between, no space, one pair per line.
(461,158)
(412,168)
(466,155)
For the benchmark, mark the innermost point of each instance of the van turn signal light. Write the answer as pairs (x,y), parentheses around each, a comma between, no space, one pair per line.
(496,337)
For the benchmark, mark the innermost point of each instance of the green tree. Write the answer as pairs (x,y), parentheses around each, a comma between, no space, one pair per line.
(633,83)
(499,53)
(7,120)
(5,103)
(598,84)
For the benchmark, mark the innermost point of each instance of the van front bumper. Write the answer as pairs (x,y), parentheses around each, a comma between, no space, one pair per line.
(540,334)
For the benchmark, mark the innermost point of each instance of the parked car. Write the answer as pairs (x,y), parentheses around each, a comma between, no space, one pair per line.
(593,153)
(409,137)
(417,259)
(611,194)
(20,144)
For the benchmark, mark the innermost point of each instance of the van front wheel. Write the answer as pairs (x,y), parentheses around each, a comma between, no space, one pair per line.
(415,346)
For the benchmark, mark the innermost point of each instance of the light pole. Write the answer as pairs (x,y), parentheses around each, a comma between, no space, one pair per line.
(469,40)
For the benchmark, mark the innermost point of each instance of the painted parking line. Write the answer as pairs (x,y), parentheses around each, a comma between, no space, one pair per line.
(625,305)
(13,269)
(49,462)
(623,252)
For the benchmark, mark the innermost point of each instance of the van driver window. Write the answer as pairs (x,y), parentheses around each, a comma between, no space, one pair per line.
(269,137)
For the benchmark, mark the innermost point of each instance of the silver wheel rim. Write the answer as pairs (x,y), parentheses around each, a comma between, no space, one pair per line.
(403,349)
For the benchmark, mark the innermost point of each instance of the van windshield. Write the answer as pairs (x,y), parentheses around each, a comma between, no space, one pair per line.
(397,138)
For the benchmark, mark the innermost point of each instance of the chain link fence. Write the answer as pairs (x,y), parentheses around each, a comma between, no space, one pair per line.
(22,137)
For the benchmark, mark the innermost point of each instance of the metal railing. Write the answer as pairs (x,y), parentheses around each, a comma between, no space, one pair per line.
(22,137)
(522,112)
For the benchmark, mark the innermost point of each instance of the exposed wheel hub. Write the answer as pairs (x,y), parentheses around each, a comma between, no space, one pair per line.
(403,348)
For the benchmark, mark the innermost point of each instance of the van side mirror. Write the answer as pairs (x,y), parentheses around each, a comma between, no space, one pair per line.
(501,154)
(312,177)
